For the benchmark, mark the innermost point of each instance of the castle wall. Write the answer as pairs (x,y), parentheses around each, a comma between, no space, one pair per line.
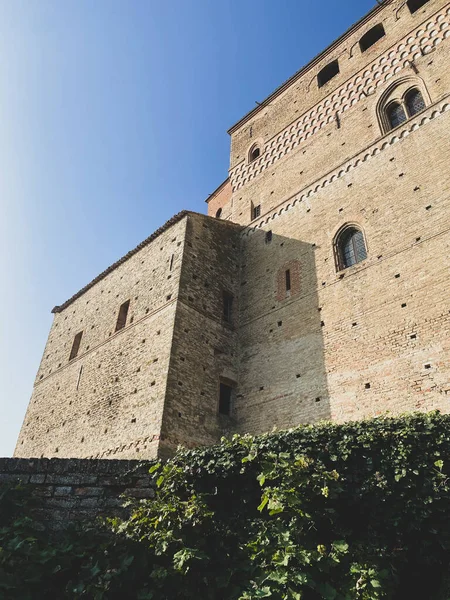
(297,148)
(204,347)
(307,340)
(383,344)
(108,401)
(220,200)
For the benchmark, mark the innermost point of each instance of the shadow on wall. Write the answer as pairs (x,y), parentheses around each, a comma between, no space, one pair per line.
(282,377)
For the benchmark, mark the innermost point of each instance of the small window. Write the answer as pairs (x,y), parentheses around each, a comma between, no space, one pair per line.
(371,37)
(256,211)
(351,248)
(76,345)
(288,280)
(225,399)
(327,73)
(268,236)
(395,114)
(122,316)
(254,153)
(414,5)
(227,306)
(414,102)
(219,213)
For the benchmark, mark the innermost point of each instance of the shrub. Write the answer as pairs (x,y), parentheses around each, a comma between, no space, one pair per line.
(334,512)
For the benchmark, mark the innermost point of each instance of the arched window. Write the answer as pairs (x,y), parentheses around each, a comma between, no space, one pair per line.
(414,102)
(371,37)
(254,153)
(351,247)
(402,100)
(395,114)
(219,213)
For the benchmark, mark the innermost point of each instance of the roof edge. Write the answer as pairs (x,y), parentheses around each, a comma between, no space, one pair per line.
(279,90)
(172,221)
(175,219)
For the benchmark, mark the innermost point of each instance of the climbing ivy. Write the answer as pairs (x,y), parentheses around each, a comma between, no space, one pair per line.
(334,512)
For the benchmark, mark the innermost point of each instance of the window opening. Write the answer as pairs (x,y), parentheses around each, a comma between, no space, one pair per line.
(218,213)
(414,5)
(414,102)
(371,37)
(227,306)
(395,114)
(76,345)
(352,248)
(268,236)
(327,73)
(225,399)
(171,262)
(288,280)
(122,316)
(255,153)
(256,211)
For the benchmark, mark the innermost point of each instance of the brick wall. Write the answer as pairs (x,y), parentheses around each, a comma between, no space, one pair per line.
(108,401)
(70,490)
(343,343)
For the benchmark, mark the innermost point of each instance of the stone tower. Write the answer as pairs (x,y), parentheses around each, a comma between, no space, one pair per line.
(317,287)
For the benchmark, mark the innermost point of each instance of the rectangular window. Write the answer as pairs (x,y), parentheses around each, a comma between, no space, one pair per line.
(256,211)
(414,5)
(227,306)
(268,236)
(122,316)
(76,345)
(225,399)
(288,280)
(327,73)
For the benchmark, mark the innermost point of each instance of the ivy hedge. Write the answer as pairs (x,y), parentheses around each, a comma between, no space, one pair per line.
(326,512)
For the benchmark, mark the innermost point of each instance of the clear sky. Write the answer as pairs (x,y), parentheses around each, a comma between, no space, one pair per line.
(113,117)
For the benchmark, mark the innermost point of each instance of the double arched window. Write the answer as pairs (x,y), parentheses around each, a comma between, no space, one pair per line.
(402,99)
(350,247)
(399,111)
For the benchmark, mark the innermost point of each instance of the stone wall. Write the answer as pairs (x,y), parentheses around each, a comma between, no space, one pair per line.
(204,349)
(70,490)
(108,401)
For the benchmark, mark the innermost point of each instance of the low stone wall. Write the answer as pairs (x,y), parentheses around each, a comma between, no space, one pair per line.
(70,490)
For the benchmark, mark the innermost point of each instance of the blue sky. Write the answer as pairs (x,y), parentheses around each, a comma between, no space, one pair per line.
(113,117)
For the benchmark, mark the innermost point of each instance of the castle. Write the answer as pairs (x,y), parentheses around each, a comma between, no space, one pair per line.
(316,288)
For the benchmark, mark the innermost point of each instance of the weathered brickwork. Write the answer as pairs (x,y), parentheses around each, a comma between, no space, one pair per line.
(71,490)
(258,299)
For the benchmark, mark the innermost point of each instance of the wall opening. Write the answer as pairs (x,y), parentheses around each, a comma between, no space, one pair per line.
(414,5)
(227,307)
(254,153)
(76,345)
(122,316)
(225,394)
(371,37)
(256,211)
(288,280)
(327,73)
